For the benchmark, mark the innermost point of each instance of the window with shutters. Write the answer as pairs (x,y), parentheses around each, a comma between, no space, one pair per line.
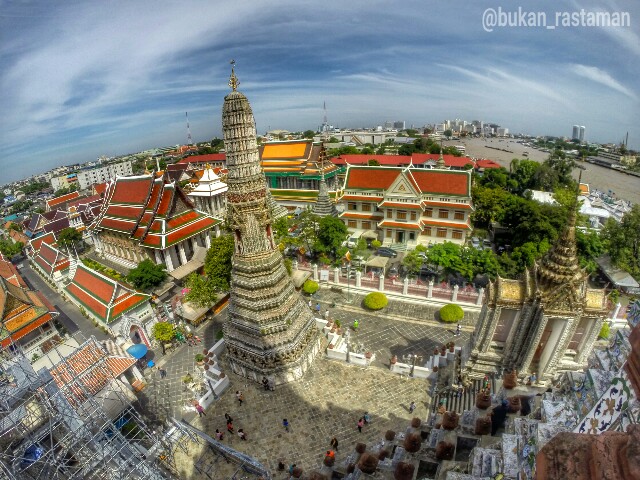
(402,215)
(413,215)
(442,233)
(458,215)
(389,213)
(366,225)
(457,234)
(428,212)
(443,213)
(352,224)
(366,207)
(352,206)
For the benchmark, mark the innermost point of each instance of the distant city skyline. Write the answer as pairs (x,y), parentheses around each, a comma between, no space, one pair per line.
(83,79)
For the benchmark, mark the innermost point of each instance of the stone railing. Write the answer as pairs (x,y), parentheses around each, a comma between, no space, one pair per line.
(410,288)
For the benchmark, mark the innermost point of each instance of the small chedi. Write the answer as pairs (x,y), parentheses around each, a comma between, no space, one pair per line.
(270,331)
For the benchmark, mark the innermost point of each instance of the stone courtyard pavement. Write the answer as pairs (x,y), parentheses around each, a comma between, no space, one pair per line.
(327,402)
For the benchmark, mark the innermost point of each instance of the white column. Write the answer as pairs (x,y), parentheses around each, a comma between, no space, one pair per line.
(480,295)
(430,290)
(381,283)
(454,297)
(358,278)
(336,275)
(315,271)
(405,286)
(194,243)
(183,255)
(207,239)
(168,260)
(158,257)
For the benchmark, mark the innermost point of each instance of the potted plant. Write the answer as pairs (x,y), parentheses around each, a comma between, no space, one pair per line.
(199,359)
(187,379)
(367,355)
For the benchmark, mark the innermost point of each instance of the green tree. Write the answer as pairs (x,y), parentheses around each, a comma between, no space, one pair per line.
(69,237)
(448,133)
(525,173)
(217,266)
(413,262)
(406,149)
(623,241)
(163,332)
(147,275)
(202,291)
(308,134)
(331,233)
(217,144)
(16,226)
(489,205)
(9,249)
(372,162)
(590,247)
(494,178)
(444,256)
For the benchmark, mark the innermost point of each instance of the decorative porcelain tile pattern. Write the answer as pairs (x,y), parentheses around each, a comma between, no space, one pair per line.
(607,409)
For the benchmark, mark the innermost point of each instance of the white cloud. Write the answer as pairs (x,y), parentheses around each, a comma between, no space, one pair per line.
(600,76)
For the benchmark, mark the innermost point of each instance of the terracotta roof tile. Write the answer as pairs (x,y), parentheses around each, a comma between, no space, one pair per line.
(126,304)
(436,223)
(410,206)
(132,190)
(118,225)
(90,281)
(97,307)
(456,206)
(370,178)
(410,226)
(62,199)
(453,182)
(361,198)
(212,157)
(25,330)
(190,230)
(131,212)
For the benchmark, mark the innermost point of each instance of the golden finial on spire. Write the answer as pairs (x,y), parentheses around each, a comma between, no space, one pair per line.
(233,80)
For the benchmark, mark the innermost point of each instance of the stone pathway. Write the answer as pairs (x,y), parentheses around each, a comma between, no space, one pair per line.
(327,402)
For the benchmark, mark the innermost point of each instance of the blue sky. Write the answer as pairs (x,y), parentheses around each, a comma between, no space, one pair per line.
(80,79)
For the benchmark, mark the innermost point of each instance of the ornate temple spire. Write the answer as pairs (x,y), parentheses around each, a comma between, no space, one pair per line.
(270,331)
(234,83)
(324,207)
(277,210)
(440,163)
(560,265)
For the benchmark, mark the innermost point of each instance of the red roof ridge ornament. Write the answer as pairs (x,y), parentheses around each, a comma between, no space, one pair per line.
(234,83)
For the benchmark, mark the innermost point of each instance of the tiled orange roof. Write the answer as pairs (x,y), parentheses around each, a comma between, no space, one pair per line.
(436,223)
(131,212)
(132,190)
(285,150)
(25,330)
(371,178)
(62,199)
(99,286)
(453,182)
(118,225)
(189,230)
(96,307)
(127,303)
(100,188)
(165,202)
(410,226)
(182,219)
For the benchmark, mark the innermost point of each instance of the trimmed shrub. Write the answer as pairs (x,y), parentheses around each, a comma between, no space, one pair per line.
(605,331)
(375,301)
(376,244)
(451,313)
(310,287)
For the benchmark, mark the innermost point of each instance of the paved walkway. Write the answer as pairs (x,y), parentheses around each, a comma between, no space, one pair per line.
(327,401)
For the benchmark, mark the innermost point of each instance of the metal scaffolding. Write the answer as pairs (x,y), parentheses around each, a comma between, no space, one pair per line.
(76,421)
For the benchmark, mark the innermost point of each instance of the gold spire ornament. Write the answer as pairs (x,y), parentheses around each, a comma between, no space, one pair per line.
(234,83)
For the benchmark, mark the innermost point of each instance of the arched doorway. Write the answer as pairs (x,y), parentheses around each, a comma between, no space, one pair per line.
(131,330)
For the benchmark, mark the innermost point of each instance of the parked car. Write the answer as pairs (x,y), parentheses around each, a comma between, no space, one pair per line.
(486,244)
(475,242)
(387,252)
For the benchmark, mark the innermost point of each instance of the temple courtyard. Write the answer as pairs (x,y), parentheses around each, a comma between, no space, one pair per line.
(327,402)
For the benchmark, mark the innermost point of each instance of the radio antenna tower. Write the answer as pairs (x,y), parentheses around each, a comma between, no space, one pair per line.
(325,123)
(189,139)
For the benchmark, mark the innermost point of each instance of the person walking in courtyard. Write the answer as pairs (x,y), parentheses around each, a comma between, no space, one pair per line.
(318,309)
(228,418)
(412,407)
(163,373)
(355,324)
(326,315)
(367,418)
(285,424)
(334,443)
(200,410)
(230,427)
(360,424)
(239,396)
(242,435)
(458,330)
(265,383)
(310,304)
(219,435)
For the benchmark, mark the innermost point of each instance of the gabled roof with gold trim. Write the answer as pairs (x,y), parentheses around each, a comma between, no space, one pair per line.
(105,298)
(152,212)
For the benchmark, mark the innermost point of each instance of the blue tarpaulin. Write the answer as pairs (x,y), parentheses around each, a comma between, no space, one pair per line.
(138,350)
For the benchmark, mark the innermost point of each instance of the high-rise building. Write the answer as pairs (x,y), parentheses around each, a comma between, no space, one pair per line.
(581,136)
(270,331)
(399,125)
(575,135)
